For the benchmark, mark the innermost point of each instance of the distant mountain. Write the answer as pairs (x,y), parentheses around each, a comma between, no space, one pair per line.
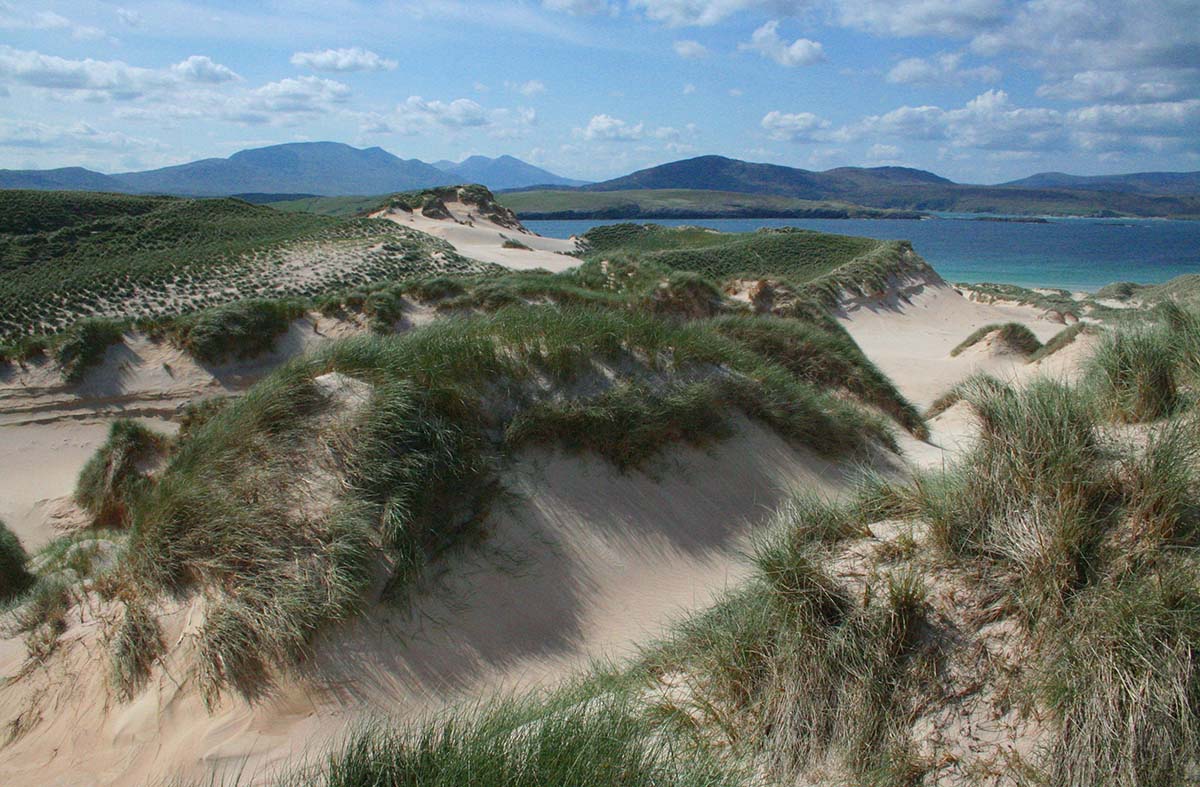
(717,173)
(1176,183)
(65,179)
(504,172)
(897,187)
(326,168)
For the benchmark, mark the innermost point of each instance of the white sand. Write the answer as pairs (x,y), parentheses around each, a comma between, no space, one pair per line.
(480,239)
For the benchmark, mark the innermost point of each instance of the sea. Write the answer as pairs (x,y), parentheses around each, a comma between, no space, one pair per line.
(1066,253)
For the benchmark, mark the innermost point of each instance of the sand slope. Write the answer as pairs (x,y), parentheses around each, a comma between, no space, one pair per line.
(476,237)
(583,563)
(909,332)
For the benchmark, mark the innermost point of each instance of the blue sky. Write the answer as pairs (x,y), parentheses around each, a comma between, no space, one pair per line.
(977,90)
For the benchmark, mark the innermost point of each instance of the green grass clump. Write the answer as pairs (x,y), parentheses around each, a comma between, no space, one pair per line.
(23,348)
(798,672)
(14,576)
(1134,373)
(85,345)
(685,293)
(1012,335)
(590,740)
(135,644)
(824,355)
(974,384)
(1028,498)
(115,473)
(238,330)
(1058,341)
(1124,682)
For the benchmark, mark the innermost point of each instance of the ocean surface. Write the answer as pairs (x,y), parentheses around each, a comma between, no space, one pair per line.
(1072,254)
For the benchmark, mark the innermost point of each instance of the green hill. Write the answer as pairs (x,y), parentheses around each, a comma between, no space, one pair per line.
(70,255)
(895,187)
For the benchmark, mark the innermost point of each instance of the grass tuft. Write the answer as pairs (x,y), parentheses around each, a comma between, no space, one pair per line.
(115,473)
(14,574)
(1011,335)
(1133,373)
(85,345)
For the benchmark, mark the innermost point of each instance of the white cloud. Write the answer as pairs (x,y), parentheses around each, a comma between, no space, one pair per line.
(529,89)
(343,60)
(691,50)
(689,89)
(459,113)
(954,18)
(879,152)
(767,42)
(580,6)
(945,68)
(680,13)
(298,95)
(105,79)
(610,129)
(200,68)
(129,18)
(33,134)
(1128,86)
(794,127)
(15,17)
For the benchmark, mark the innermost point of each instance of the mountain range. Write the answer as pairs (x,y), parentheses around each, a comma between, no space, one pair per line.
(336,169)
(914,189)
(324,168)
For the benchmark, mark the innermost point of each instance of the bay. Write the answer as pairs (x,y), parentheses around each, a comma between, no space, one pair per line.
(1072,254)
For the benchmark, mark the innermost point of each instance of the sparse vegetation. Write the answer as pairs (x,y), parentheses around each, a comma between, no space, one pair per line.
(68,256)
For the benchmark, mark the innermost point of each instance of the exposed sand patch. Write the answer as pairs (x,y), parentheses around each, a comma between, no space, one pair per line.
(49,429)
(474,236)
(909,335)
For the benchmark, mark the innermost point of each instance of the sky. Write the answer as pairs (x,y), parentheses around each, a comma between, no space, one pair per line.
(981,91)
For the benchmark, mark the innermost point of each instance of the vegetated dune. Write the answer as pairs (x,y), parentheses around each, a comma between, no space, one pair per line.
(577,560)
(586,562)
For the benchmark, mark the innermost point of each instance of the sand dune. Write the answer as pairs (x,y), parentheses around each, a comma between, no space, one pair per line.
(583,562)
(474,236)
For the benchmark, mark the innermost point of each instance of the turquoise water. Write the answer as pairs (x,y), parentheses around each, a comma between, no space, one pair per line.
(1074,254)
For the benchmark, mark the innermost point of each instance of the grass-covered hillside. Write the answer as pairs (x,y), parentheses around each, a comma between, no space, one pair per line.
(65,256)
(683,204)
(816,260)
